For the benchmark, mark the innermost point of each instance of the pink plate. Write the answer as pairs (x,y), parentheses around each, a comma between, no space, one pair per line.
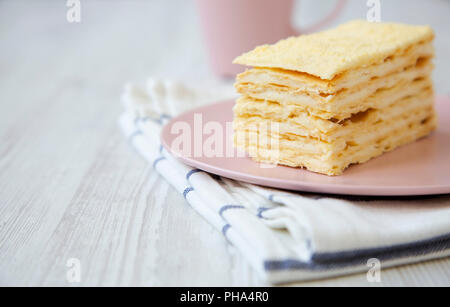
(421,168)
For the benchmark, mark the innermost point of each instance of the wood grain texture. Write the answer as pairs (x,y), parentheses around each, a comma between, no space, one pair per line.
(71,187)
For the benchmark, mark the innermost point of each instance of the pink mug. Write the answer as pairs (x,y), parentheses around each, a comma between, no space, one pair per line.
(232,27)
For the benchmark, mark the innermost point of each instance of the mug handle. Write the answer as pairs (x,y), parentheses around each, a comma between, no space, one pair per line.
(326,20)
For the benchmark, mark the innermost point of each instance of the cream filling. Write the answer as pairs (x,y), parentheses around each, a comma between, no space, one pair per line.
(342,105)
(370,134)
(336,164)
(310,83)
(253,113)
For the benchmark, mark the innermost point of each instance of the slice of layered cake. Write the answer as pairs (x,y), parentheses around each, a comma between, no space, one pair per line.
(338,97)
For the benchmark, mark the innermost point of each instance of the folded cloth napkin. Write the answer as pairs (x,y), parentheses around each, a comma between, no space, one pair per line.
(286,236)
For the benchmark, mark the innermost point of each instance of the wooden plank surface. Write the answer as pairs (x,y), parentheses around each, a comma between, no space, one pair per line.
(71,187)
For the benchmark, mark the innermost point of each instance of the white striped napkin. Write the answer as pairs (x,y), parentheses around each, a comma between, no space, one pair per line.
(286,236)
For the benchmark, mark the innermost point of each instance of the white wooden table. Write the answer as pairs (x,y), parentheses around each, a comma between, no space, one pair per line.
(70,187)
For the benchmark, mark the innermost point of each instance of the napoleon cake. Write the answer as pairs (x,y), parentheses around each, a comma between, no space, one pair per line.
(337,98)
